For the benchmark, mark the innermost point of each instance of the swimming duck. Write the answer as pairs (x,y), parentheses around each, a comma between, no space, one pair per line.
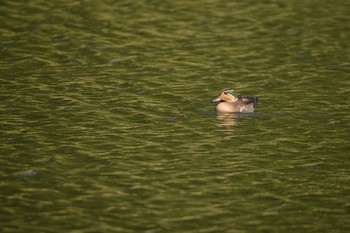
(230,101)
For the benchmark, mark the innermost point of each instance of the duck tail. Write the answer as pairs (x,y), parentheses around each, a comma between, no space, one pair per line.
(256,101)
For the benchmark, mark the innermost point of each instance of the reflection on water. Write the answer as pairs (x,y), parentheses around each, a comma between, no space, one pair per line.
(226,119)
(105,125)
(232,119)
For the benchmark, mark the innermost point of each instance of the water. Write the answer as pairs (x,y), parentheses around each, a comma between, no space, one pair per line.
(106,126)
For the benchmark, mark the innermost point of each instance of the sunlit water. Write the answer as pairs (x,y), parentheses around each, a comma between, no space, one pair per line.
(106,124)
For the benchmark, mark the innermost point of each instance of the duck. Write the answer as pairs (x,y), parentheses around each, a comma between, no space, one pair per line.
(230,102)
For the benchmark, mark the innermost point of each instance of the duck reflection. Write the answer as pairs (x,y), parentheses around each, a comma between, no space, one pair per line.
(226,119)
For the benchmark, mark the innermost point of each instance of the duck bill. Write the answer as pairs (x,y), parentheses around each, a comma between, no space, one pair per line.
(216,100)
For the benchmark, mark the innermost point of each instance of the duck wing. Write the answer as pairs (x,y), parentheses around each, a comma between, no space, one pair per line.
(248,100)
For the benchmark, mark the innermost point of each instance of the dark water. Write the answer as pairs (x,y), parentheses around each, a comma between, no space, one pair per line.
(106,126)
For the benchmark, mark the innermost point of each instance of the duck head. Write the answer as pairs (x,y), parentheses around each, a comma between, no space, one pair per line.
(226,95)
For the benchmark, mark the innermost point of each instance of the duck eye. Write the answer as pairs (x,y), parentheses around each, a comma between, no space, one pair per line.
(225,92)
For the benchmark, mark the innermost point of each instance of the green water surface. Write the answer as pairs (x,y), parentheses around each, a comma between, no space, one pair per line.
(106,125)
